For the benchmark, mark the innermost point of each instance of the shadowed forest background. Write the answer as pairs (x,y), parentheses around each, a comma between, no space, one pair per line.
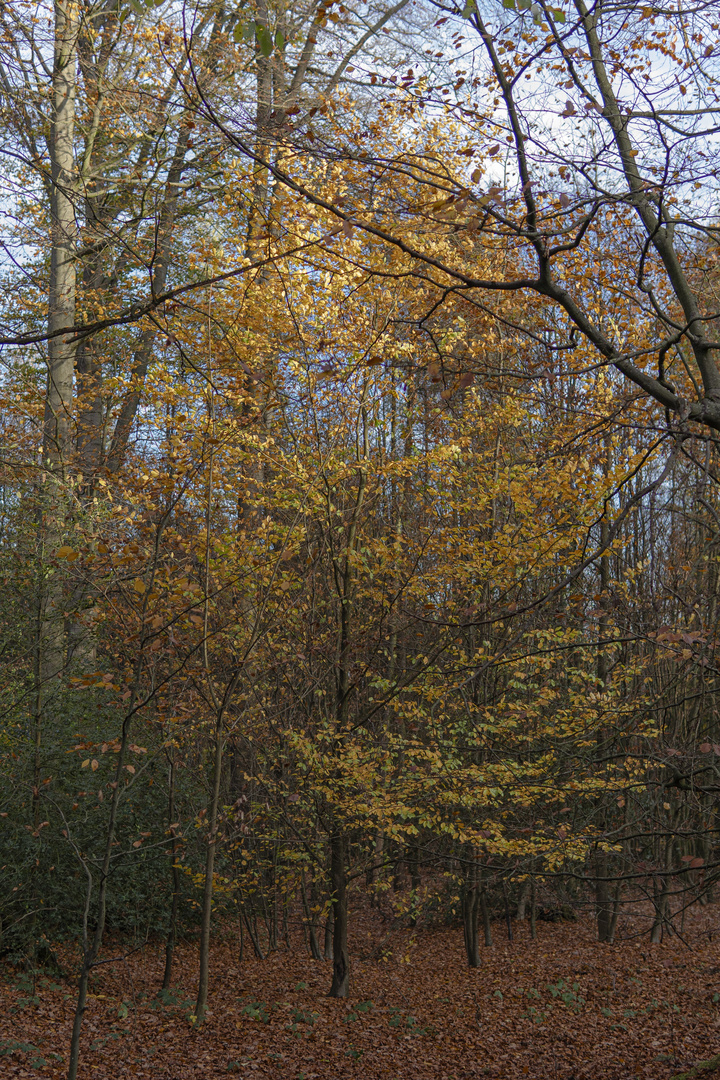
(360,535)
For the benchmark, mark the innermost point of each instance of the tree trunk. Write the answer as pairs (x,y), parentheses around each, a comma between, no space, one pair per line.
(604,906)
(254,937)
(660,897)
(310,920)
(522,902)
(91,945)
(615,913)
(329,931)
(487,927)
(206,918)
(57,423)
(470,905)
(338,879)
(57,434)
(175,873)
(508,921)
(533,911)
(161,265)
(603,903)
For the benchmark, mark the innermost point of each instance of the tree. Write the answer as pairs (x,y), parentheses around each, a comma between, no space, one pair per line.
(598,182)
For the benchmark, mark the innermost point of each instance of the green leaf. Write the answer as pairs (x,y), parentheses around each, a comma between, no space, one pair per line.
(279,40)
(264,40)
(558,15)
(469,9)
(245,31)
(524,5)
(509,4)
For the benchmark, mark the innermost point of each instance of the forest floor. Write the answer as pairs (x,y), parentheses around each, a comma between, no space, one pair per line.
(562,1007)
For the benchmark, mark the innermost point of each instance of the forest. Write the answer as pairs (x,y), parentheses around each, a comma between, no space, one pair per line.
(360,520)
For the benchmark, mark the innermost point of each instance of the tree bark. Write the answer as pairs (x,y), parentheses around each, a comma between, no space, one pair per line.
(206,917)
(487,926)
(470,905)
(338,879)
(57,423)
(175,872)
(329,931)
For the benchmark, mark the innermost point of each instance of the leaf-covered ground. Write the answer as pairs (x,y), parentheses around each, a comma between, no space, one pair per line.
(560,1007)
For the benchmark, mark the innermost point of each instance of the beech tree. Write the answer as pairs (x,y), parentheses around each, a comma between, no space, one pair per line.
(588,123)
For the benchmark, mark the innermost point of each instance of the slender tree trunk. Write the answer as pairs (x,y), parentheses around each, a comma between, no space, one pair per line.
(175,873)
(338,880)
(310,921)
(220,706)
(508,920)
(206,916)
(603,904)
(92,944)
(533,911)
(615,913)
(485,912)
(161,266)
(414,867)
(254,937)
(470,907)
(660,901)
(344,576)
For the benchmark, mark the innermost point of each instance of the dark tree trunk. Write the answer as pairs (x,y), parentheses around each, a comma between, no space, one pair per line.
(533,911)
(338,878)
(470,905)
(487,928)
(508,921)
(310,921)
(603,903)
(175,872)
(329,930)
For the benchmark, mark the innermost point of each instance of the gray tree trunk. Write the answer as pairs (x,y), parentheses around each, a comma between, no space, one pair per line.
(57,421)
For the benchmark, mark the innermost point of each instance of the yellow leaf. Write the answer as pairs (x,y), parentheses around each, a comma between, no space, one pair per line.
(94,764)
(85,763)
(138,585)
